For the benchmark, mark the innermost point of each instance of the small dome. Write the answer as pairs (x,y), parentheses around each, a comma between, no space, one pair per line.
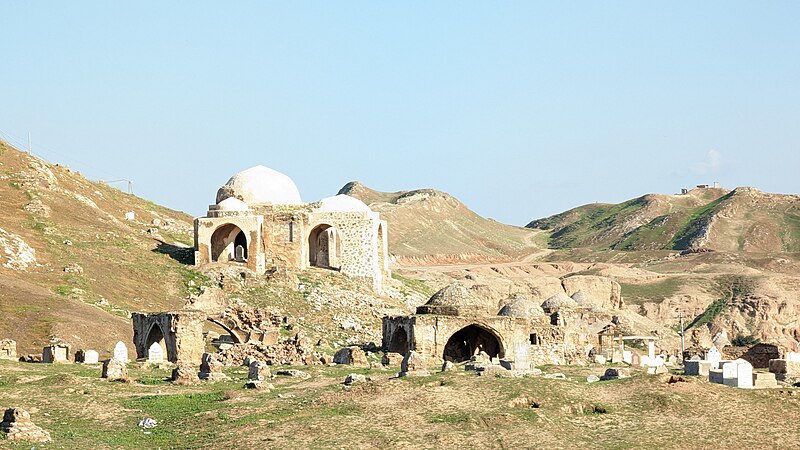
(558,301)
(260,184)
(342,203)
(581,298)
(232,204)
(520,306)
(453,300)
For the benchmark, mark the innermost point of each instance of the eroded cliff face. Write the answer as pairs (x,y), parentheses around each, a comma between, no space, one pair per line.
(601,291)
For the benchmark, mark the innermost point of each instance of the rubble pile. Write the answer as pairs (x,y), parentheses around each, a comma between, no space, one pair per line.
(293,351)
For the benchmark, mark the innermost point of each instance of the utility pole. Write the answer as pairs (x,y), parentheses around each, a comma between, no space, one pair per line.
(683,341)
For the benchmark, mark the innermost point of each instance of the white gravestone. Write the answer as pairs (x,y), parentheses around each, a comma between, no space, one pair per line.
(744,374)
(730,373)
(91,357)
(121,352)
(155,354)
(714,357)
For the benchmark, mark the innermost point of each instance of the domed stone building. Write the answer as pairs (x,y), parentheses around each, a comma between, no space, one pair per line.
(260,221)
(457,323)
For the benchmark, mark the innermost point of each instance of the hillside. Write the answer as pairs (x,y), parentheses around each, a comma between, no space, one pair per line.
(72,266)
(744,219)
(431,226)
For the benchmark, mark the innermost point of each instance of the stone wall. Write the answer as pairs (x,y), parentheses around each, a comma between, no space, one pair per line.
(180,331)
(758,355)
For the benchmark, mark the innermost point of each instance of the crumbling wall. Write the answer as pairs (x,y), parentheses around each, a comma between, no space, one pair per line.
(182,333)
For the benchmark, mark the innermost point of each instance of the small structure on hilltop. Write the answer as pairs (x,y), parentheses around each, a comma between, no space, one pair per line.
(259,221)
(457,324)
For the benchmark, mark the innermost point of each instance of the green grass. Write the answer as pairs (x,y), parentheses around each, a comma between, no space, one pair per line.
(414,285)
(695,223)
(656,292)
(450,418)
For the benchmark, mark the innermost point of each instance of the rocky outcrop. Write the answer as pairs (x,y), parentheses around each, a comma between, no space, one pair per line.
(599,291)
(18,426)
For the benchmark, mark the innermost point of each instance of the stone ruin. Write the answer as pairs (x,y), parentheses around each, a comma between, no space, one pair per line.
(18,426)
(56,353)
(87,357)
(8,349)
(179,333)
(457,323)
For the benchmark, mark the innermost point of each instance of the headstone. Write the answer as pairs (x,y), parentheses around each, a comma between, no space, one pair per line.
(8,349)
(793,356)
(211,369)
(714,357)
(691,367)
(91,357)
(522,356)
(18,426)
(238,253)
(121,352)
(744,374)
(730,374)
(636,360)
(155,354)
(651,350)
(599,359)
(115,370)
(627,356)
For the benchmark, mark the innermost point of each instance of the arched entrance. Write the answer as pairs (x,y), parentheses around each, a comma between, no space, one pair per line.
(471,340)
(323,247)
(399,342)
(229,243)
(155,335)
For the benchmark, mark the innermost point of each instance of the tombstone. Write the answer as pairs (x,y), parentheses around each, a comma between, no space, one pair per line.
(121,352)
(744,374)
(651,350)
(714,357)
(91,357)
(522,355)
(238,253)
(730,374)
(691,367)
(627,356)
(258,371)
(155,354)
(793,356)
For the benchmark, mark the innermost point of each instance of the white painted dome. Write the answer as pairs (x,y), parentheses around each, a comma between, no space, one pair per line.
(342,203)
(260,184)
(232,204)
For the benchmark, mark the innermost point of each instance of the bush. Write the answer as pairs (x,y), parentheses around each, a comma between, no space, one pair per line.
(744,341)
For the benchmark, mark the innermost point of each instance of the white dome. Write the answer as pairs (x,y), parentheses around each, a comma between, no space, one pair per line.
(260,184)
(232,204)
(342,203)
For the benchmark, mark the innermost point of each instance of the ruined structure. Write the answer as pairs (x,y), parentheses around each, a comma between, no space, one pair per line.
(456,323)
(260,222)
(179,333)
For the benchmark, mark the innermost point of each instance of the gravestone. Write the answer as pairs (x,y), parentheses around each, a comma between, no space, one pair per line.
(91,357)
(730,374)
(57,352)
(121,352)
(793,356)
(155,354)
(764,380)
(744,374)
(627,356)
(522,355)
(239,253)
(715,376)
(714,357)
(691,367)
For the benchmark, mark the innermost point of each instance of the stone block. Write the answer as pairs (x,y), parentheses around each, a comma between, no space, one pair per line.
(691,367)
(614,373)
(259,371)
(392,359)
(91,357)
(115,370)
(764,380)
(730,374)
(8,349)
(715,376)
(744,374)
(784,369)
(351,356)
(18,426)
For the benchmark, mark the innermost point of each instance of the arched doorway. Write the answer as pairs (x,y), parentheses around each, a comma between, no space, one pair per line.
(323,247)
(399,343)
(155,335)
(471,340)
(229,243)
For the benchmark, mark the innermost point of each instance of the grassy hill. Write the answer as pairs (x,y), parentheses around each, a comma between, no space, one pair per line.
(744,219)
(429,224)
(71,266)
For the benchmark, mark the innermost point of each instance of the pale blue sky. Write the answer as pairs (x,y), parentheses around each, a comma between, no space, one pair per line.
(519,109)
